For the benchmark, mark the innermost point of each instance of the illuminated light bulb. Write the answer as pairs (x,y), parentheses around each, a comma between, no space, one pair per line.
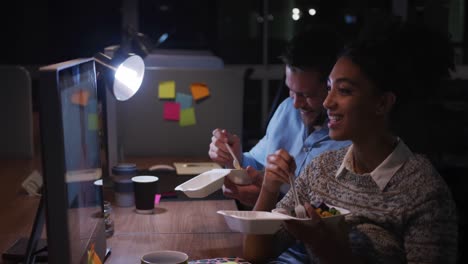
(130,80)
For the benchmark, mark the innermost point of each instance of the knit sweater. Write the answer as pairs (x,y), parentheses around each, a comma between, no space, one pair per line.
(412,220)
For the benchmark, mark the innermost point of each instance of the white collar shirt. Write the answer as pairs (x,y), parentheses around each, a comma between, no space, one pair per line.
(383,173)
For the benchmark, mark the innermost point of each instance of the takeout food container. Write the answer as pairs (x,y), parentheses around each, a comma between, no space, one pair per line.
(204,184)
(335,219)
(239,176)
(329,220)
(261,222)
(255,222)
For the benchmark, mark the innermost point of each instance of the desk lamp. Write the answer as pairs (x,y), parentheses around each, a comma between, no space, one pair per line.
(123,74)
(126,73)
(121,77)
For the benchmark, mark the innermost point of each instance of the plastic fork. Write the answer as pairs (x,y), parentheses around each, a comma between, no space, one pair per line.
(235,162)
(299,209)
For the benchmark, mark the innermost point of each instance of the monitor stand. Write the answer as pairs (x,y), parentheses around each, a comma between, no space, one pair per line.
(17,252)
(33,249)
(24,249)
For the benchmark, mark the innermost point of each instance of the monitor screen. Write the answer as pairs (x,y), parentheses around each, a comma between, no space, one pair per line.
(69,120)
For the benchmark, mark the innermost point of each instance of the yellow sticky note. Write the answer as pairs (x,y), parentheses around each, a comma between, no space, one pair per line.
(199,91)
(166,90)
(93,122)
(187,117)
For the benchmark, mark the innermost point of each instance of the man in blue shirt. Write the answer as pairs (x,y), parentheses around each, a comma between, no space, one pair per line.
(299,123)
(297,126)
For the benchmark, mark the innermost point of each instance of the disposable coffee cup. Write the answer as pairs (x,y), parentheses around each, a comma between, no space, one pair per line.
(98,184)
(165,257)
(98,189)
(145,188)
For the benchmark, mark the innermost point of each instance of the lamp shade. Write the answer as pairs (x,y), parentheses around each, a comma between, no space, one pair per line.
(126,72)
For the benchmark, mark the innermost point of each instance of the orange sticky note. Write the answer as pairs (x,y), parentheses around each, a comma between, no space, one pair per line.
(93,258)
(80,97)
(199,91)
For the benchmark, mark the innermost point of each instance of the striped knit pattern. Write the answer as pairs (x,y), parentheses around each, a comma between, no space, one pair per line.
(413,220)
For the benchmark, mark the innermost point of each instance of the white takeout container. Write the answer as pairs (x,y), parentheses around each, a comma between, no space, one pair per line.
(255,222)
(239,176)
(260,222)
(335,219)
(204,184)
(329,220)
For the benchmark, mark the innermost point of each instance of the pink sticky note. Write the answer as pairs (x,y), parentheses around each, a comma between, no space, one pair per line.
(171,111)
(157,197)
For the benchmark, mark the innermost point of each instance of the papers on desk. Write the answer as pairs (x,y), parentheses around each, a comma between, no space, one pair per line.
(194,168)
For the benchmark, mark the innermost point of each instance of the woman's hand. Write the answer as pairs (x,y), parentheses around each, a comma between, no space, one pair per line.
(324,240)
(277,170)
(308,231)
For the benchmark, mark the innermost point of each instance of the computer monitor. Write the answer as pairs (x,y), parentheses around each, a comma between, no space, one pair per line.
(70,142)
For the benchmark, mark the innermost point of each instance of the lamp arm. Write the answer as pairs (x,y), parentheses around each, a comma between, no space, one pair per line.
(104,60)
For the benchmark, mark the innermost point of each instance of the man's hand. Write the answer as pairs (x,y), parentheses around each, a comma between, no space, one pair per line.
(218,151)
(246,194)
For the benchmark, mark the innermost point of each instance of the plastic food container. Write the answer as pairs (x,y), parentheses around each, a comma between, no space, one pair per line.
(255,222)
(239,176)
(329,220)
(204,184)
(260,222)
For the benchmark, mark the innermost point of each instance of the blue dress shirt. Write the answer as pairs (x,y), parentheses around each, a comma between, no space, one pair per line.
(286,130)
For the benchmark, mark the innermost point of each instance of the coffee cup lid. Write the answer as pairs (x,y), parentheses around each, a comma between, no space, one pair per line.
(124,168)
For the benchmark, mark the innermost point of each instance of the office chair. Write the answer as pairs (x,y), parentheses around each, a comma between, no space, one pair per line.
(16,135)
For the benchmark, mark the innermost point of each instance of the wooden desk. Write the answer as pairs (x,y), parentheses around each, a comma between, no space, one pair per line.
(193,227)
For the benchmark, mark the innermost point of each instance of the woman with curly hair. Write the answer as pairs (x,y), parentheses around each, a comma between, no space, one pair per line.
(401,209)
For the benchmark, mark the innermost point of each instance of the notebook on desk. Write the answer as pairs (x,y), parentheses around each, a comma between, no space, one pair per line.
(194,168)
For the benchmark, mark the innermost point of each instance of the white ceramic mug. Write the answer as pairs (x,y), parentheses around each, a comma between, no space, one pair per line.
(165,257)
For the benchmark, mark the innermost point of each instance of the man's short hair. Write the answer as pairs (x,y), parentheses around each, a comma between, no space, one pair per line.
(314,48)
